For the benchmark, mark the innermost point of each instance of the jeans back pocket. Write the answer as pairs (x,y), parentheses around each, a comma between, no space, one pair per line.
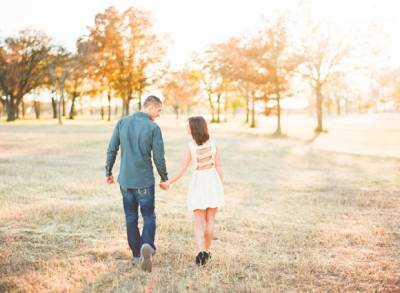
(142,191)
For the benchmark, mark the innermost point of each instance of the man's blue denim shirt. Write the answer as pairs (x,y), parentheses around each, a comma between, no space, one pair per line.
(138,137)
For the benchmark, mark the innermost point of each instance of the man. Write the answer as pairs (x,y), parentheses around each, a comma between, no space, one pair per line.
(138,137)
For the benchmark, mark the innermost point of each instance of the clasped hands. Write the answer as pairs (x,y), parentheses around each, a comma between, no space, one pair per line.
(165,185)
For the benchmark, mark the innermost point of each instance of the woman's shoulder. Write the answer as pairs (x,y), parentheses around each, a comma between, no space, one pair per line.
(193,144)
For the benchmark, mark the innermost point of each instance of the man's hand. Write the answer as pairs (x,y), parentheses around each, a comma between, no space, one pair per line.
(110,179)
(164,185)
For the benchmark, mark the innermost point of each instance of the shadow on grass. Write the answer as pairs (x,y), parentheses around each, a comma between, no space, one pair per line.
(313,138)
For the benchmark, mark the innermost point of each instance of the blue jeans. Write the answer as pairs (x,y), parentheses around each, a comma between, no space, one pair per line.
(143,198)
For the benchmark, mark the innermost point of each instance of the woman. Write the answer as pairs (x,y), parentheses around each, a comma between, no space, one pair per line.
(205,194)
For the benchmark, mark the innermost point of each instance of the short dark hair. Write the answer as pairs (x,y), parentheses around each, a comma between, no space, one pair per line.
(198,129)
(152,100)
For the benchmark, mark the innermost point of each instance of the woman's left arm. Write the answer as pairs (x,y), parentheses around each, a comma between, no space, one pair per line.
(187,157)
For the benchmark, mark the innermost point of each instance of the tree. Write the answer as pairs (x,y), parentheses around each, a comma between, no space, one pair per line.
(104,44)
(124,49)
(22,67)
(36,104)
(2,103)
(58,72)
(142,50)
(238,65)
(180,90)
(324,59)
(212,80)
(389,88)
(78,67)
(277,61)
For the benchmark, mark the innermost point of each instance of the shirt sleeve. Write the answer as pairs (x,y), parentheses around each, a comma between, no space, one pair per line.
(112,150)
(159,154)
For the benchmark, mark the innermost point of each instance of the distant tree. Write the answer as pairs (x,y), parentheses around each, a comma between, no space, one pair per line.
(22,67)
(2,103)
(124,49)
(105,44)
(58,64)
(324,62)
(181,89)
(237,64)
(278,61)
(339,93)
(78,67)
(212,80)
(389,87)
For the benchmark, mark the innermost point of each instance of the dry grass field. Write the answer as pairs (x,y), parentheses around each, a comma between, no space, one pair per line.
(303,214)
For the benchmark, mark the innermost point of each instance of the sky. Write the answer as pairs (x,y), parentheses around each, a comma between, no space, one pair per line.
(193,24)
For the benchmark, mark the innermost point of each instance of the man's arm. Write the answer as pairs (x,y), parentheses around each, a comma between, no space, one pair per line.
(112,152)
(158,154)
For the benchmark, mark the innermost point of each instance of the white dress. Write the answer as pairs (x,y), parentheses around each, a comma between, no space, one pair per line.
(205,188)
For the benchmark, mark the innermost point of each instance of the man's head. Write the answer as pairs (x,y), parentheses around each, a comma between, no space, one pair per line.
(152,106)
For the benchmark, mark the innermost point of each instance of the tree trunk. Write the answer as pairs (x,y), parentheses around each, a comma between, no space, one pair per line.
(125,110)
(1,107)
(116,109)
(11,108)
(60,103)
(346,106)
(211,108)
(226,109)
(319,108)
(176,110)
(54,107)
(72,109)
(253,111)
(278,113)
(267,110)
(63,107)
(247,108)
(23,108)
(102,112)
(338,107)
(16,106)
(218,108)
(36,108)
(140,103)
(109,106)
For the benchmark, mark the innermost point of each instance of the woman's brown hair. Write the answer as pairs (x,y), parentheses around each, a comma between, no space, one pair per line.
(198,129)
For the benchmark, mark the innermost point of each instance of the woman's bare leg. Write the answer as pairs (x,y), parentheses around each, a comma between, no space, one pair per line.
(199,228)
(209,230)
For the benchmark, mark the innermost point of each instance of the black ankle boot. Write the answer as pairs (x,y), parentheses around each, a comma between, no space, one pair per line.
(206,257)
(202,258)
(199,258)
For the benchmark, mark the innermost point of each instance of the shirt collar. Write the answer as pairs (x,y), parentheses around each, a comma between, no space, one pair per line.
(142,114)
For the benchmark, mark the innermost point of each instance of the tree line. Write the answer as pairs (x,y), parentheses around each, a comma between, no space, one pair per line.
(120,57)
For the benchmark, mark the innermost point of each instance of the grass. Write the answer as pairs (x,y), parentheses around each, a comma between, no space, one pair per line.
(302,214)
